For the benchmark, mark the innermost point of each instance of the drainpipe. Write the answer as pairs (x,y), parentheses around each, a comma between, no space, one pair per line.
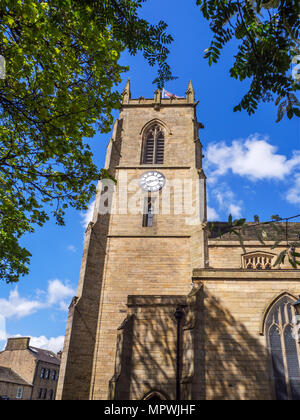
(178,314)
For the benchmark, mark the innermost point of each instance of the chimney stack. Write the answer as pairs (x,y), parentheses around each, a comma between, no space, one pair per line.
(17,343)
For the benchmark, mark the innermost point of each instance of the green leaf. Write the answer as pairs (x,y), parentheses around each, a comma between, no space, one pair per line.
(240,239)
(259,236)
(265,44)
(61,83)
(275,244)
(296,111)
(280,258)
(293,263)
(290,113)
(239,222)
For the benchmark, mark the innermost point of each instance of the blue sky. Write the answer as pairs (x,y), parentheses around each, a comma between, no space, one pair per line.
(252,164)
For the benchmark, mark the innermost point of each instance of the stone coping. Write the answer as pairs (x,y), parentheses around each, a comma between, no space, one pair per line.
(244,274)
(247,243)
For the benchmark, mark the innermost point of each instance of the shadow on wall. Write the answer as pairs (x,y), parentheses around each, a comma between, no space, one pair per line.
(236,363)
(220,359)
(146,348)
(78,355)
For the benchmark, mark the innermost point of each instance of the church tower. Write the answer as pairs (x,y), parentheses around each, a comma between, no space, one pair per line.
(146,237)
(166,307)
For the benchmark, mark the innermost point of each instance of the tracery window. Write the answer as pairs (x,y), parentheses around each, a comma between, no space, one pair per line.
(154,144)
(284,349)
(257,261)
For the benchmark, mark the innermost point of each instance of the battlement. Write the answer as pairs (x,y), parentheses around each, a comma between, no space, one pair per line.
(158,100)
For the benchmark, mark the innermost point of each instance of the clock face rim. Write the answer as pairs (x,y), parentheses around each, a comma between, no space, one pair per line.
(148,188)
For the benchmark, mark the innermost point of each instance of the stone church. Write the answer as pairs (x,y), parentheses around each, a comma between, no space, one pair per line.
(167,308)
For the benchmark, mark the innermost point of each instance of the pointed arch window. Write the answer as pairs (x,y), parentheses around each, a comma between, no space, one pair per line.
(155,396)
(154,145)
(284,349)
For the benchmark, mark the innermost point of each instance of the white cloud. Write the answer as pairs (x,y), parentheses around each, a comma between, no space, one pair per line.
(2,328)
(226,200)
(58,292)
(87,217)
(212,214)
(54,344)
(235,210)
(254,158)
(71,248)
(16,306)
(57,296)
(293,194)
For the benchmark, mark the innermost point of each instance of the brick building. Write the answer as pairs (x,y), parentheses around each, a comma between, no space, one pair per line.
(148,251)
(27,372)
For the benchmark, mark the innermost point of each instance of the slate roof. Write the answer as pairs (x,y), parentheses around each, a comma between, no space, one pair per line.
(291,231)
(44,355)
(8,375)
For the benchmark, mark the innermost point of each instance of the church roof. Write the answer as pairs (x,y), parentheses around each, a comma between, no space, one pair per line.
(285,231)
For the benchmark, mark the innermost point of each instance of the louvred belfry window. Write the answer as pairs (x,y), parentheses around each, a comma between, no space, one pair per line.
(154,145)
(284,349)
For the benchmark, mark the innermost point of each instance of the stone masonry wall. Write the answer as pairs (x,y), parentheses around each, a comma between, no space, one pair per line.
(234,360)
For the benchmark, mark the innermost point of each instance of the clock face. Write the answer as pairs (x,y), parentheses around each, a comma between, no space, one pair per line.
(152,181)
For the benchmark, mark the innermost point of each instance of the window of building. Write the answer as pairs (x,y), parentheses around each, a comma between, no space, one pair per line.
(51,393)
(42,372)
(40,393)
(148,213)
(284,349)
(257,261)
(53,376)
(19,392)
(47,374)
(155,396)
(154,144)
(45,394)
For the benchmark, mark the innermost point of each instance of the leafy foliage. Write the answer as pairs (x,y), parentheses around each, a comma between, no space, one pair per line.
(61,69)
(268,36)
(137,34)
